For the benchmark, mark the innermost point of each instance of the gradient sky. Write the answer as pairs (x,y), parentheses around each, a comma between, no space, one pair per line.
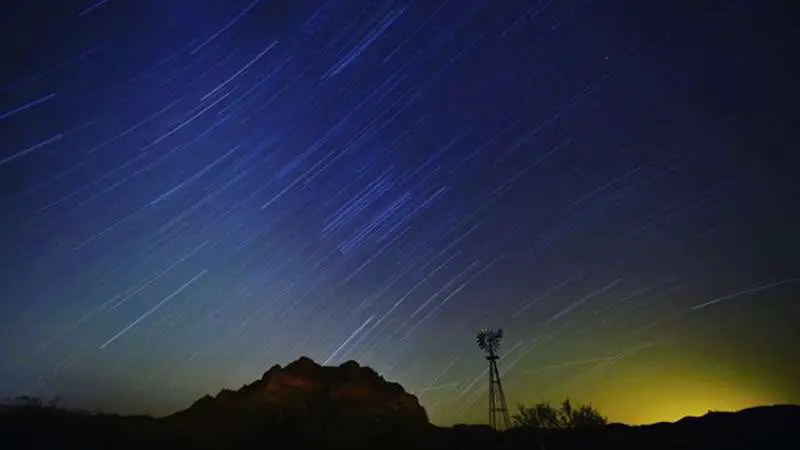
(192,191)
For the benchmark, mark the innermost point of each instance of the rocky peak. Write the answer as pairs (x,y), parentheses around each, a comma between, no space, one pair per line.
(329,399)
(303,366)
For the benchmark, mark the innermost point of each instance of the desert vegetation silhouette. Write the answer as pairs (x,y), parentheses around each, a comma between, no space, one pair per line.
(563,417)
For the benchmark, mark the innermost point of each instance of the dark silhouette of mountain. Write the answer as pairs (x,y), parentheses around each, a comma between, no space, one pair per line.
(305,405)
(340,405)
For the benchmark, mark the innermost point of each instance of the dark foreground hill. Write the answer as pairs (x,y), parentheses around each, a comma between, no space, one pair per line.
(307,406)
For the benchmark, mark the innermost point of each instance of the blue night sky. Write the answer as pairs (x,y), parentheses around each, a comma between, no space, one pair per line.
(192,191)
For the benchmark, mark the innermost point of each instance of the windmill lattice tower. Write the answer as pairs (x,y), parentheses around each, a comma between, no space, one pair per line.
(489,342)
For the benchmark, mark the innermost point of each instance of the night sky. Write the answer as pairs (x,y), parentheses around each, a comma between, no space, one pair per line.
(192,191)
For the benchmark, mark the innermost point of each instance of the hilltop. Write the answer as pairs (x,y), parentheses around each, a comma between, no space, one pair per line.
(306,405)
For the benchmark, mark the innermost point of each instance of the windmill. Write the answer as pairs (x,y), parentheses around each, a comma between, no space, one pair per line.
(489,342)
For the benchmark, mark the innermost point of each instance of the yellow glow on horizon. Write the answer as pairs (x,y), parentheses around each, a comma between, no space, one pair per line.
(665,384)
(672,398)
(674,407)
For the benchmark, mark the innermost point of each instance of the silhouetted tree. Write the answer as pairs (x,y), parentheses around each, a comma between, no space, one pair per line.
(544,415)
(26,401)
(584,416)
(541,415)
(54,402)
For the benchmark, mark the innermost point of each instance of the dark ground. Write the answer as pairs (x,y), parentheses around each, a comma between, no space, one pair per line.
(774,427)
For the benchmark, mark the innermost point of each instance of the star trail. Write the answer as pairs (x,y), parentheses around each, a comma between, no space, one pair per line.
(191,192)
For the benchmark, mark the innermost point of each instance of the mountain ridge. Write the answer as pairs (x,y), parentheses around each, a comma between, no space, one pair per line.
(307,405)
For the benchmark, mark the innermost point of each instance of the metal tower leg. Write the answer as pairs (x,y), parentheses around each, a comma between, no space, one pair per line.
(497,398)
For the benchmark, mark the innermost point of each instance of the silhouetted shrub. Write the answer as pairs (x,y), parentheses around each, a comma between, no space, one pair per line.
(32,403)
(566,416)
(25,401)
